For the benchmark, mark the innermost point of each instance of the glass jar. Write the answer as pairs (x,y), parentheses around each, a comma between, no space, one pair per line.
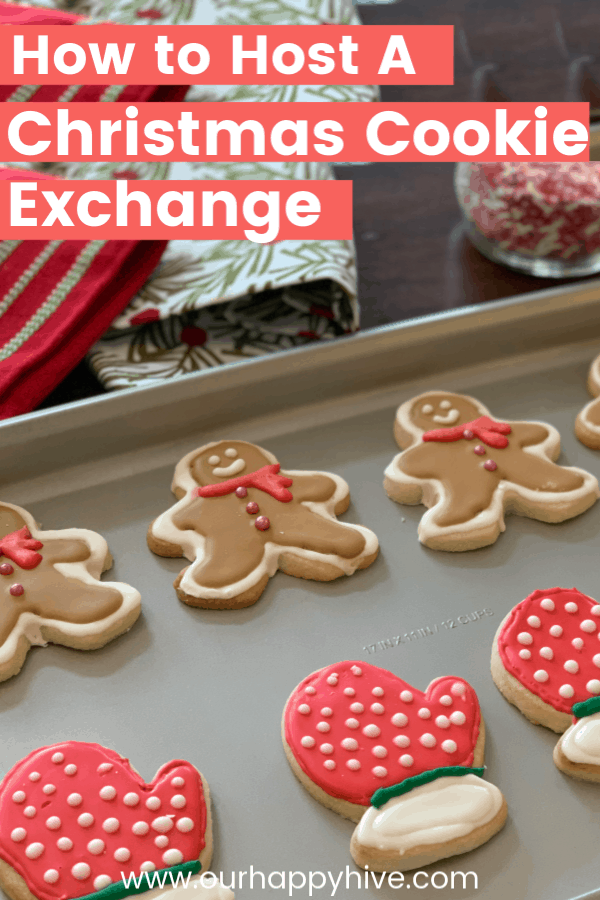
(538,218)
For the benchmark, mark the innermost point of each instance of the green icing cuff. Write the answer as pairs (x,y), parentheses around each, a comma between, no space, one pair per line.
(384,794)
(118,890)
(586,708)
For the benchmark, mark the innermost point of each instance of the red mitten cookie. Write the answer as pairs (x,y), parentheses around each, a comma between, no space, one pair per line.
(51,590)
(546,661)
(76,820)
(404,764)
(471,469)
(239,519)
(587,424)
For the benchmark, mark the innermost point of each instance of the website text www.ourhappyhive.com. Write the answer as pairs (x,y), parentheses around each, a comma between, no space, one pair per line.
(317,883)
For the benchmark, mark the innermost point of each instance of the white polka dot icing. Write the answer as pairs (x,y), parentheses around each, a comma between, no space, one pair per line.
(75,817)
(108,792)
(81,871)
(563,667)
(96,847)
(376,715)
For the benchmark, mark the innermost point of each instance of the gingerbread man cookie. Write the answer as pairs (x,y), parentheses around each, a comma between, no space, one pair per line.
(546,662)
(51,592)
(76,820)
(239,519)
(471,469)
(405,765)
(587,424)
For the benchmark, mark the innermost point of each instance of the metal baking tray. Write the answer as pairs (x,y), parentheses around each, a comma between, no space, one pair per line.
(210,686)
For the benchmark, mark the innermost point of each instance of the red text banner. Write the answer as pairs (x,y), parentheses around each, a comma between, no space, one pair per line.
(227,54)
(259,211)
(341,132)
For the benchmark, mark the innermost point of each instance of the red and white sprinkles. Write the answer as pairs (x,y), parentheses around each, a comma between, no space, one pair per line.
(379,730)
(545,210)
(551,645)
(72,816)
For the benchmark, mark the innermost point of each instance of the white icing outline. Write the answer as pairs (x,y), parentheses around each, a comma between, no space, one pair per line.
(199,891)
(87,571)
(508,494)
(594,388)
(575,751)
(193,544)
(366,835)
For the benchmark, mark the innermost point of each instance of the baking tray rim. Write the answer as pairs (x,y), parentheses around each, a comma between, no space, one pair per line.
(415,330)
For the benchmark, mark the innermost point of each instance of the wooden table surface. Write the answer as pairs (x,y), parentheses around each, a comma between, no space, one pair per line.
(413,258)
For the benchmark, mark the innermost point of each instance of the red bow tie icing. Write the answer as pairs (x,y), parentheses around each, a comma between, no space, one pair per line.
(20,547)
(266,479)
(74,816)
(550,643)
(354,728)
(484,429)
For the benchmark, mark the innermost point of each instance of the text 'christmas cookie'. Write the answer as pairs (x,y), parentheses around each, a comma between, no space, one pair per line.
(405,765)
(239,519)
(546,661)
(50,590)
(471,469)
(76,820)
(587,424)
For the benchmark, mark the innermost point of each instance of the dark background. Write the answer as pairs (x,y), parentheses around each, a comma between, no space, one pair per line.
(412,256)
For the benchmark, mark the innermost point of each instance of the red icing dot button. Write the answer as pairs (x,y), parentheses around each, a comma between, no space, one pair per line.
(17,590)
(6,569)
(468,434)
(262,523)
(479,450)
(241,492)
(490,465)
(252,508)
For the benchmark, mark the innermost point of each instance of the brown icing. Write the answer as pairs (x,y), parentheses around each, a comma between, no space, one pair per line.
(234,546)
(468,486)
(48,593)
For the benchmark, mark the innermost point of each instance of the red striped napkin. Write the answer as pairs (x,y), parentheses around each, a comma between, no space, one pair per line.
(56,299)
(11,14)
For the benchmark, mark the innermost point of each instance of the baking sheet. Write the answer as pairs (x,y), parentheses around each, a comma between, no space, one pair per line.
(210,686)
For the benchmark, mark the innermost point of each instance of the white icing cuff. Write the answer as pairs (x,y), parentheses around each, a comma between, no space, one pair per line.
(202,887)
(435,813)
(581,741)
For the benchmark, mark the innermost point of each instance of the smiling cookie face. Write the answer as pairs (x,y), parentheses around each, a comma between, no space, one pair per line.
(227,459)
(442,410)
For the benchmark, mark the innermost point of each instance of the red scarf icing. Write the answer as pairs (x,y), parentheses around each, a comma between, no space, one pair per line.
(485,429)
(20,547)
(60,799)
(354,728)
(266,479)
